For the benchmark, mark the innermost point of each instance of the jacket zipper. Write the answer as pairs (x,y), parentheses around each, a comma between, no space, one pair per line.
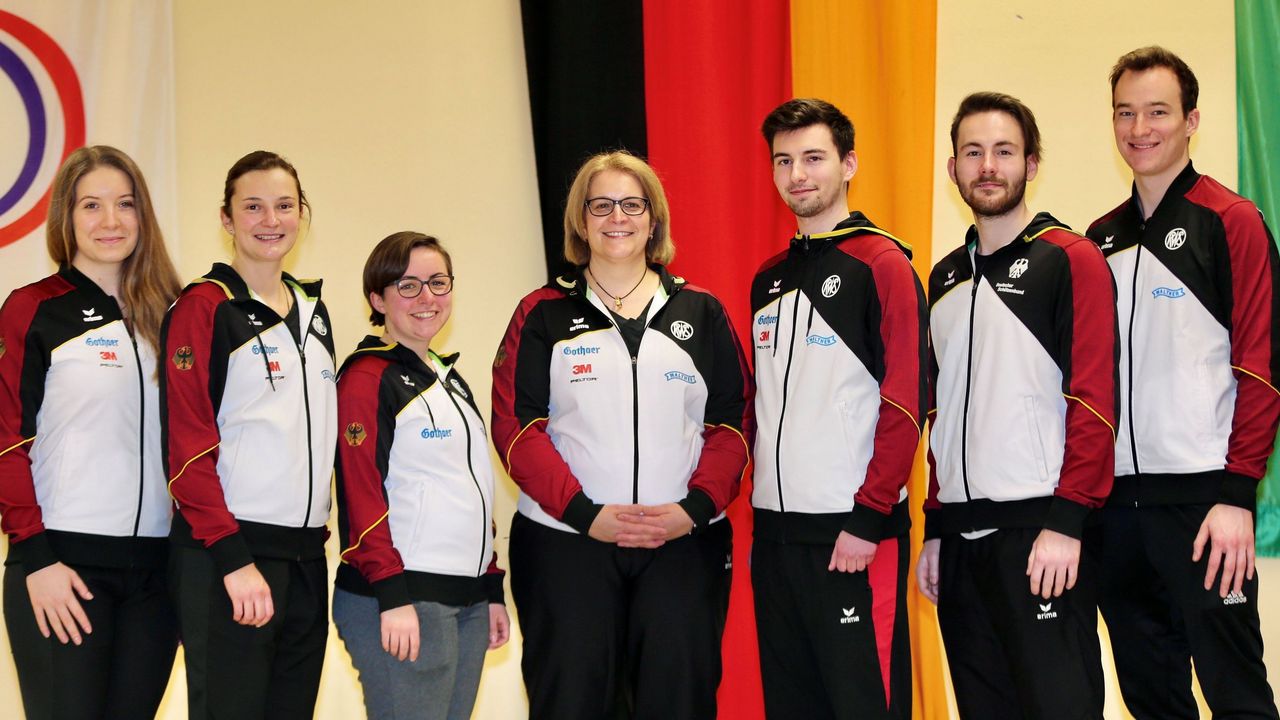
(142,430)
(1133,310)
(968,389)
(484,513)
(786,379)
(304,332)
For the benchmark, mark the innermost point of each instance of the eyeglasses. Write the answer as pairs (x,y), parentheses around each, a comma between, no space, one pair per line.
(411,287)
(603,206)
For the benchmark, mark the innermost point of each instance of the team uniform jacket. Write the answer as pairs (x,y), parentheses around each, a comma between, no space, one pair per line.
(1199,303)
(80,473)
(250,421)
(580,423)
(415,487)
(1023,362)
(839,334)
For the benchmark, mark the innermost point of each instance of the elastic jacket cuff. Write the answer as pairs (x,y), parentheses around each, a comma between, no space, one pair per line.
(581,512)
(700,507)
(931,529)
(493,589)
(866,523)
(1240,491)
(36,553)
(392,592)
(1066,517)
(231,553)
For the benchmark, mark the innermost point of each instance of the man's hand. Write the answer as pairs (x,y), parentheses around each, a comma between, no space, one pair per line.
(53,592)
(927,570)
(1229,532)
(1053,563)
(614,524)
(851,553)
(400,634)
(250,595)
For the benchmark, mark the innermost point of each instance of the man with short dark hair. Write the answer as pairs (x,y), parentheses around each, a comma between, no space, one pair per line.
(1199,298)
(1023,346)
(839,348)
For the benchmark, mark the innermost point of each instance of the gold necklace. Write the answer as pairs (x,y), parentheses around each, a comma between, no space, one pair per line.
(617,301)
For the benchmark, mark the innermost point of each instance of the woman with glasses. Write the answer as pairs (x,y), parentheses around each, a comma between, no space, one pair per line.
(82,494)
(250,419)
(621,405)
(418,598)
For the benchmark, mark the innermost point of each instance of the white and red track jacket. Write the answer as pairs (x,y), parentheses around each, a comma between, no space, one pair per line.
(839,335)
(80,474)
(580,423)
(415,487)
(1024,384)
(1199,308)
(249,415)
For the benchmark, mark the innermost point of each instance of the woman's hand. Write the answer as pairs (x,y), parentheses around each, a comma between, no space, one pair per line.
(250,596)
(53,592)
(400,635)
(499,626)
(617,524)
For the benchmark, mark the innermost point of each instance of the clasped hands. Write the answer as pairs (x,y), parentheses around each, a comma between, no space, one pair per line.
(641,526)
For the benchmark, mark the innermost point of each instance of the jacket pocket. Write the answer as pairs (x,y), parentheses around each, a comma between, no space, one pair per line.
(1030,410)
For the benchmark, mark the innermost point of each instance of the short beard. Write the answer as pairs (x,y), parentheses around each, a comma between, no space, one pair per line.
(985,209)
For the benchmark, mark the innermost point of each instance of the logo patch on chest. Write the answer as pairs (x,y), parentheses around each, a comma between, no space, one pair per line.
(681,330)
(830,286)
(1175,239)
(1018,267)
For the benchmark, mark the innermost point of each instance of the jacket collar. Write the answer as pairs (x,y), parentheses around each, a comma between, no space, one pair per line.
(1042,223)
(855,224)
(234,286)
(1180,186)
(372,345)
(574,282)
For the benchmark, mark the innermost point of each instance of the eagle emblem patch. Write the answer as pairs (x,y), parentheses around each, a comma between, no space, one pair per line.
(184,358)
(354,434)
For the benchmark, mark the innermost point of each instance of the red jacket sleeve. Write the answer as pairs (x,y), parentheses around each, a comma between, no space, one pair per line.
(20,368)
(902,393)
(368,546)
(1090,334)
(729,430)
(191,429)
(1255,343)
(521,407)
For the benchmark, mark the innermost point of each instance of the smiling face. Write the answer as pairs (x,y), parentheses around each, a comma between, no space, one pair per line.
(811,175)
(617,237)
(105,220)
(264,216)
(1152,132)
(991,168)
(413,322)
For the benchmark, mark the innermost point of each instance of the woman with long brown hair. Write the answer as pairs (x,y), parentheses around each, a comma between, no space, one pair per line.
(82,487)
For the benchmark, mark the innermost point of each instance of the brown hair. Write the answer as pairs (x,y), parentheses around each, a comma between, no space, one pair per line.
(259,160)
(148,282)
(1155,56)
(800,113)
(389,260)
(981,102)
(660,248)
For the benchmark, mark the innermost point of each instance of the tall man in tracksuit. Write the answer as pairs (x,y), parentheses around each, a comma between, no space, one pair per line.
(1023,345)
(838,332)
(1198,275)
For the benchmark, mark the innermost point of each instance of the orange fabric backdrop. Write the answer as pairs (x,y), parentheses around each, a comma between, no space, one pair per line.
(875,61)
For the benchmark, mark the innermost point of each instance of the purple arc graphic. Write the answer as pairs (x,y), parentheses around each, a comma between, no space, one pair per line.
(29,91)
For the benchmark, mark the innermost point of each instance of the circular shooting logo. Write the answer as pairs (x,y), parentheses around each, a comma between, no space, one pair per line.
(42,111)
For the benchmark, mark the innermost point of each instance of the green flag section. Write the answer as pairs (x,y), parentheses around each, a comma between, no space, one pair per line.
(1258,100)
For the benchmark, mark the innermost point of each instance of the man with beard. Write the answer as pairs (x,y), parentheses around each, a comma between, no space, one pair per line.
(839,326)
(1023,349)
(1199,292)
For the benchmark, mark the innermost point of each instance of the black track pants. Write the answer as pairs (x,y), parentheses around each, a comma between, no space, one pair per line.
(832,644)
(1160,617)
(122,667)
(615,632)
(239,672)
(1013,654)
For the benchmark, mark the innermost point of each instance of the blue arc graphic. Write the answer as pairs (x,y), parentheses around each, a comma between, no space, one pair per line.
(31,100)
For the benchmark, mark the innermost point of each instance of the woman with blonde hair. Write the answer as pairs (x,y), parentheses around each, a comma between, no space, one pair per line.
(621,406)
(82,486)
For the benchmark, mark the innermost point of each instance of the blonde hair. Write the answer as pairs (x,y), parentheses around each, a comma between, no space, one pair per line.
(660,249)
(148,282)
